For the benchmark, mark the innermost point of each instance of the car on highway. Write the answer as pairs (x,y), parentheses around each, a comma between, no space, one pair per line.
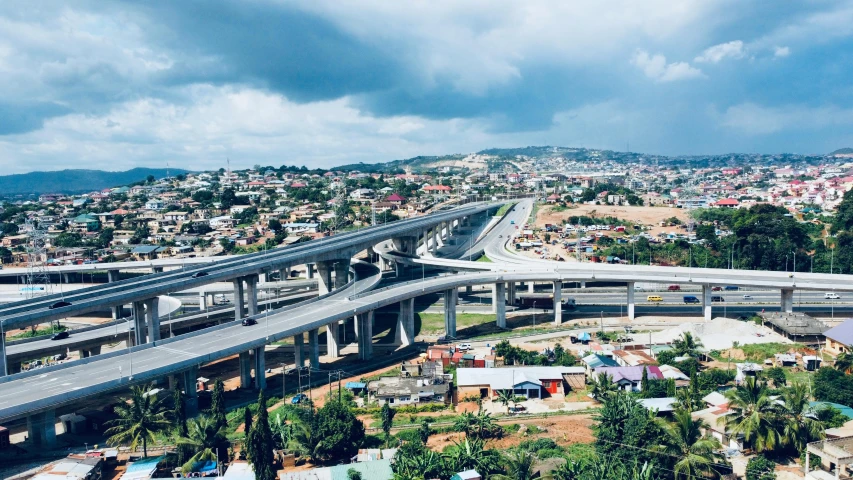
(298,398)
(747,297)
(674,288)
(60,304)
(831,296)
(200,274)
(248,322)
(716,289)
(654,298)
(60,335)
(691,299)
(512,222)
(731,287)
(717,298)
(464,347)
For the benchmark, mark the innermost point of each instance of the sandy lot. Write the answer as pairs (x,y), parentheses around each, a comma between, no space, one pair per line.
(646,215)
(563,430)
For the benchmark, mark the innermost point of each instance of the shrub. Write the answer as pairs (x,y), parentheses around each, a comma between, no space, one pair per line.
(760,468)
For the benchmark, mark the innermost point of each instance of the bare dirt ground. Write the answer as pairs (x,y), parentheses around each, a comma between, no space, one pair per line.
(651,216)
(563,430)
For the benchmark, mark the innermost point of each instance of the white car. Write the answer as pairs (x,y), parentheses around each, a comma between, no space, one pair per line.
(464,347)
(747,297)
(831,296)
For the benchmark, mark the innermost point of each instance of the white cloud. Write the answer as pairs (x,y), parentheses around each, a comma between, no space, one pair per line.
(754,119)
(656,68)
(715,54)
(781,52)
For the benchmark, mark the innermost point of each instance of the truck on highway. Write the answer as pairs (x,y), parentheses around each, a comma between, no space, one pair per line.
(543,300)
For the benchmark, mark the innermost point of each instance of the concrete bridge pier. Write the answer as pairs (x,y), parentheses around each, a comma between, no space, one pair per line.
(139,335)
(284,273)
(333,340)
(309,270)
(245,370)
(252,293)
(364,324)
(299,350)
(451,297)
(113,276)
(189,379)
(510,293)
(324,273)
(260,364)
(118,311)
(404,334)
(41,428)
(152,317)
(707,305)
(529,287)
(499,306)
(157,270)
(202,301)
(66,278)
(787,300)
(342,272)
(239,306)
(88,352)
(314,348)
(4,368)
(436,237)
(558,302)
(630,303)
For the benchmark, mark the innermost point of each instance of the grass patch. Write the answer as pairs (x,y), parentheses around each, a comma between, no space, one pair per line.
(757,352)
(504,208)
(515,333)
(793,377)
(394,372)
(38,333)
(484,259)
(434,322)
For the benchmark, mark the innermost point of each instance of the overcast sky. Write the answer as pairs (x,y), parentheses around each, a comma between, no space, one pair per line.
(114,84)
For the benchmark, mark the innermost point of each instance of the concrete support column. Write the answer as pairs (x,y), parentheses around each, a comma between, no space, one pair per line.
(252,294)
(189,379)
(469,289)
(364,326)
(333,340)
(341,272)
(4,369)
(314,348)
(529,287)
(309,270)
(426,240)
(202,301)
(500,306)
(510,293)
(139,327)
(245,370)
(260,365)
(41,428)
(630,303)
(66,278)
(284,273)
(787,301)
(239,306)
(706,302)
(404,334)
(558,302)
(113,276)
(450,298)
(436,236)
(157,270)
(118,311)
(299,350)
(152,317)
(324,280)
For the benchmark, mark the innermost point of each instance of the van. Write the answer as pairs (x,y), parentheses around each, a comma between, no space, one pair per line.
(691,299)
(831,296)
(654,298)
(731,287)
(717,298)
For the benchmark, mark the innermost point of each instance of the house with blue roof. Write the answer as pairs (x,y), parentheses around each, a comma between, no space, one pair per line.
(839,339)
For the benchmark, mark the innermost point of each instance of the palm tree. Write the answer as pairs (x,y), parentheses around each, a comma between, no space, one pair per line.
(684,440)
(799,426)
(505,397)
(844,362)
(205,435)
(140,418)
(684,400)
(415,462)
(465,423)
(485,426)
(520,466)
(602,386)
(687,345)
(471,454)
(753,415)
(571,470)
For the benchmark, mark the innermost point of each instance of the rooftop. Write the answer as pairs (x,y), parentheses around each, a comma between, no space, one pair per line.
(795,323)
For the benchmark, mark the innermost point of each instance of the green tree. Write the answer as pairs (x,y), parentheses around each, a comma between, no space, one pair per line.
(753,415)
(472,454)
(339,432)
(203,439)
(687,345)
(800,426)
(603,386)
(424,431)
(776,375)
(247,427)
(179,417)
(760,467)
(843,220)
(140,418)
(261,443)
(628,431)
(413,461)
(505,397)
(275,225)
(387,416)
(519,465)
(844,362)
(353,474)
(217,404)
(695,454)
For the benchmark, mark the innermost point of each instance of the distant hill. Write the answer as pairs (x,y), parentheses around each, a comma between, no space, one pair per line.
(75,181)
(843,151)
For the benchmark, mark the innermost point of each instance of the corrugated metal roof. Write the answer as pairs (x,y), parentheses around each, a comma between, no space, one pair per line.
(841,333)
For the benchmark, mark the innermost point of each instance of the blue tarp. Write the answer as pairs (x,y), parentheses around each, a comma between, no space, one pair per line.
(204,467)
(352,385)
(583,336)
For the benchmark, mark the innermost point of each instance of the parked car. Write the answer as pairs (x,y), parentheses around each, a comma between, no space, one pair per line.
(516,409)
(832,296)
(248,322)
(464,347)
(60,335)
(298,398)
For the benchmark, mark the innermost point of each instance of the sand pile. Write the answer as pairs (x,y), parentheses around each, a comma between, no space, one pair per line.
(719,333)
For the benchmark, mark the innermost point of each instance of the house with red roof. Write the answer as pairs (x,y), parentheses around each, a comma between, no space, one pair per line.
(437,189)
(396,199)
(726,203)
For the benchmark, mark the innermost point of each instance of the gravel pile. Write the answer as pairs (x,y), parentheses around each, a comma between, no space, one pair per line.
(719,333)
